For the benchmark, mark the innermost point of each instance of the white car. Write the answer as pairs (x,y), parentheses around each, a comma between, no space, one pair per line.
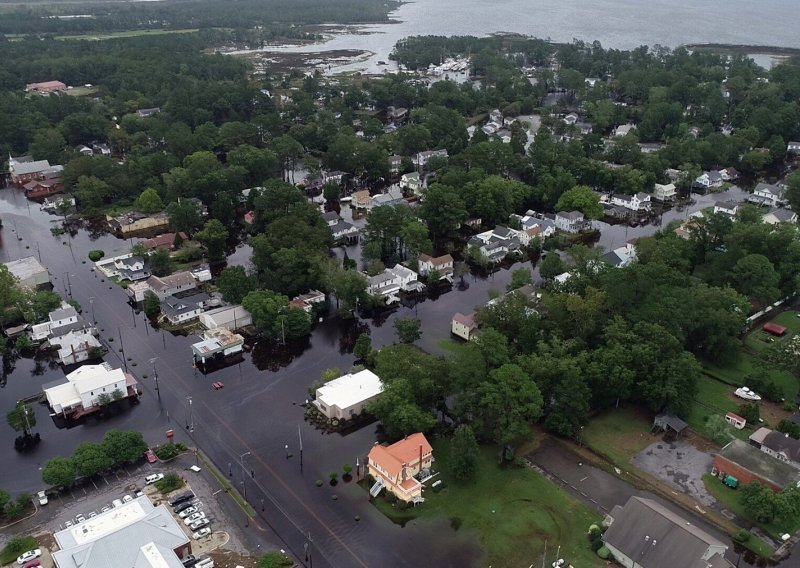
(199,524)
(30,555)
(746,393)
(186,512)
(42,498)
(116,503)
(201,533)
(194,518)
(80,518)
(105,509)
(127,499)
(150,479)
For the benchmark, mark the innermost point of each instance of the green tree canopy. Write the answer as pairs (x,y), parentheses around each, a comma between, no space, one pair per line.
(581,198)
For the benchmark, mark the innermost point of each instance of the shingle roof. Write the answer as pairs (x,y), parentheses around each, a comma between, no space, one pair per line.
(784,444)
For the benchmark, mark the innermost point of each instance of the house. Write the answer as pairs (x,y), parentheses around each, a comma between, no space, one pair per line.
(708,180)
(572,222)
(227,317)
(24,169)
(778,216)
(464,326)
(46,88)
(132,268)
(82,391)
(767,194)
(75,346)
(650,147)
(307,301)
(343,231)
(778,445)
(395,163)
(216,344)
(49,183)
(389,283)
(186,307)
(728,207)
(134,222)
(58,204)
(85,150)
(496,244)
(422,158)
(624,129)
(397,115)
(793,147)
(59,322)
(400,467)
(170,285)
(411,182)
(571,118)
(394,196)
(133,534)
(645,534)
(29,272)
(729,174)
(666,192)
(164,241)
(534,226)
(148,112)
(101,149)
(442,264)
(348,395)
(748,464)
(137,291)
(622,256)
(637,202)
(362,199)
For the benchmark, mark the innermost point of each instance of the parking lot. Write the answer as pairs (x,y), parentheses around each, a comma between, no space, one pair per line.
(680,464)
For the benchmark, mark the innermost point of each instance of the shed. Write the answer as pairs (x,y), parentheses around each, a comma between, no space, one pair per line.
(668,423)
(735,420)
(774,329)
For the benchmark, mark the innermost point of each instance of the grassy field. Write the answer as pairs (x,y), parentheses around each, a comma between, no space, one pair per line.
(732,500)
(712,398)
(126,33)
(511,511)
(619,434)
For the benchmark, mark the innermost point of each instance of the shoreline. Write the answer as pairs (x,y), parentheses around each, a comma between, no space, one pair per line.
(744,48)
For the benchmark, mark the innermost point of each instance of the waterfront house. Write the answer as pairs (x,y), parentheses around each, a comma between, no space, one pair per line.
(442,264)
(170,285)
(636,202)
(184,308)
(83,390)
(572,222)
(226,317)
(464,326)
(401,467)
(664,192)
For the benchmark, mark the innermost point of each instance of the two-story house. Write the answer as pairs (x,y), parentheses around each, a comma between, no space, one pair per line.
(132,268)
(442,264)
(401,467)
(665,192)
(389,283)
(411,182)
(708,180)
(184,308)
(768,194)
(422,158)
(496,244)
(170,285)
(392,197)
(728,207)
(84,388)
(572,221)
(636,202)
(464,326)
(341,230)
(362,199)
(779,216)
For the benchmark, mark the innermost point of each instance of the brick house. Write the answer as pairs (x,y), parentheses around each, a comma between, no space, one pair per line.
(748,464)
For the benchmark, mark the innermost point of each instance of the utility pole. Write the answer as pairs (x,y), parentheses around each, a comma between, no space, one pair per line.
(301,448)
(155,375)
(91,303)
(190,425)
(122,349)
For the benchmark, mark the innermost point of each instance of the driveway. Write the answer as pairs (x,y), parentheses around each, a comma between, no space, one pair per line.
(680,464)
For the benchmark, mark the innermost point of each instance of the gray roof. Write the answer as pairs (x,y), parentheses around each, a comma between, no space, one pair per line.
(164,283)
(757,462)
(24,268)
(571,215)
(30,167)
(330,216)
(655,537)
(784,444)
(502,232)
(769,188)
(174,306)
(728,204)
(613,258)
(672,421)
(783,214)
(63,313)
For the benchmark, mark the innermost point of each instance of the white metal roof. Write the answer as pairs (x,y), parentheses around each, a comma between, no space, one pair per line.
(350,389)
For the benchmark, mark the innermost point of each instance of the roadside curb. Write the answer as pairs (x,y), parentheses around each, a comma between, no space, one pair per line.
(35,511)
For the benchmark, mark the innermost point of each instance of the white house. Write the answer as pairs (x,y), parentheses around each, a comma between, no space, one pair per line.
(362,199)
(496,244)
(75,346)
(185,308)
(464,326)
(624,129)
(421,159)
(778,445)
(637,202)
(84,387)
(170,285)
(227,317)
(392,197)
(217,344)
(395,163)
(59,322)
(347,396)
(622,256)
(793,147)
(780,216)
(442,264)
(727,207)
(389,283)
(131,268)
(572,221)
(768,194)
(708,180)
(412,182)
(666,192)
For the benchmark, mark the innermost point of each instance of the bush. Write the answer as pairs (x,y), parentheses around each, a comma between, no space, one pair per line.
(742,536)
(275,560)
(181,446)
(96,255)
(596,544)
(604,553)
(15,547)
(167,452)
(170,483)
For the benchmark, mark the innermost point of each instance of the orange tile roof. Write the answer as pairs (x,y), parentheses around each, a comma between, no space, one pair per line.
(406,451)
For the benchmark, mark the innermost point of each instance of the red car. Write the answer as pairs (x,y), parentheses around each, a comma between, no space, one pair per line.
(217,385)
(151,457)
(33,564)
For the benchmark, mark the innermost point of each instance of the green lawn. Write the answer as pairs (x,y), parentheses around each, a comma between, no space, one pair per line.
(512,512)
(127,33)
(744,364)
(732,500)
(619,434)
(712,398)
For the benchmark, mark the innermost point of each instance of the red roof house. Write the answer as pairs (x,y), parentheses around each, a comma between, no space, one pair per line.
(397,467)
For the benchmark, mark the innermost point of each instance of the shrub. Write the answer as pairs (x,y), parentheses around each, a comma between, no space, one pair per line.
(96,255)
(15,547)
(181,446)
(596,544)
(275,560)
(167,452)
(742,536)
(604,553)
(319,483)
(170,483)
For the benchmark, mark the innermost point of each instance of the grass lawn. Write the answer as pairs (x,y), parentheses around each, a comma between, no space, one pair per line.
(15,547)
(732,500)
(512,512)
(619,434)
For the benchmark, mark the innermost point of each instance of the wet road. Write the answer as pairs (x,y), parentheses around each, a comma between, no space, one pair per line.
(258,411)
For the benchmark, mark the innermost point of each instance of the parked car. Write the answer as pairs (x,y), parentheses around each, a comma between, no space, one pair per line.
(151,456)
(150,479)
(68,524)
(32,564)
(189,511)
(218,385)
(42,496)
(92,515)
(139,493)
(190,560)
(746,393)
(185,496)
(105,509)
(30,555)
(127,499)
(183,506)
(205,531)
(199,524)
(80,518)
(194,518)
(116,503)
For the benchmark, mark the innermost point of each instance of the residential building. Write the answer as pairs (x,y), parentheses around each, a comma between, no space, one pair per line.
(341,230)
(422,158)
(348,395)
(646,534)
(496,244)
(82,391)
(768,194)
(148,112)
(666,192)
(24,169)
(571,118)
(85,150)
(216,344)
(392,197)
(534,226)
(748,464)
(137,291)
(401,467)
(227,317)
(101,149)
(55,204)
(43,188)
(249,217)
(650,147)
(307,301)
(708,180)
(46,88)
(411,182)
(184,308)
(464,326)
(133,534)
(442,264)
(729,174)
(170,285)
(129,224)
(75,346)
(637,202)
(165,241)
(778,216)
(728,207)
(29,272)
(59,322)
(389,283)
(132,268)
(622,256)
(778,445)
(362,199)
(624,129)
(793,147)
(397,115)
(572,222)
(395,163)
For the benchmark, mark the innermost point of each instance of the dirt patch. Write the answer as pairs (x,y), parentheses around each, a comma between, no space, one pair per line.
(230,559)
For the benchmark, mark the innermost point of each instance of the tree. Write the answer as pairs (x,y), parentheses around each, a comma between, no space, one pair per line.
(160,262)
(124,447)
(349,287)
(214,237)
(184,216)
(443,210)
(719,429)
(570,409)
(149,201)
(234,283)
(273,318)
(464,454)
(332,191)
(399,412)
(581,198)
(59,472)
(551,266)
(759,502)
(507,404)
(755,277)
(91,458)
(793,193)
(408,330)
(363,346)
(152,305)
(22,418)
(520,278)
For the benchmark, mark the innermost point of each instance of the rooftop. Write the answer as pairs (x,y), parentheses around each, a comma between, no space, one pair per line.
(24,268)
(406,451)
(759,463)
(468,320)
(173,280)
(350,389)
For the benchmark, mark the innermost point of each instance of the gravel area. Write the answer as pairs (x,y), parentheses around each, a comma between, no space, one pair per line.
(679,464)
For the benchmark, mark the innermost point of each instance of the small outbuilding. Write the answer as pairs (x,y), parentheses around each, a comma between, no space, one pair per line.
(774,329)
(669,423)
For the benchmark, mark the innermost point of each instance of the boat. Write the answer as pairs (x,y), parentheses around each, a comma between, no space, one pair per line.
(746,393)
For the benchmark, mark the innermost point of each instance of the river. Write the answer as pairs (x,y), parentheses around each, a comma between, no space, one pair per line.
(623,24)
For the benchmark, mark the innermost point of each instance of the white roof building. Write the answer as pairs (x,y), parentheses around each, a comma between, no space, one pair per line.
(227,317)
(28,271)
(84,386)
(347,396)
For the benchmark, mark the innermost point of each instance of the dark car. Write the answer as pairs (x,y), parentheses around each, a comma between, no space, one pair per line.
(182,506)
(178,499)
(190,560)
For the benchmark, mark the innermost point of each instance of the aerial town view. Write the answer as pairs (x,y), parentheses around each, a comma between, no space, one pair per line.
(371,283)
